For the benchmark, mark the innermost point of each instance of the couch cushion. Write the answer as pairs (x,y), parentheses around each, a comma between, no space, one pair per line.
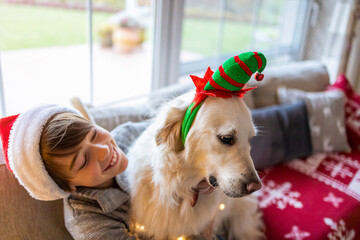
(308,76)
(283,134)
(23,217)
(352,110)
(326,117)
(315,198)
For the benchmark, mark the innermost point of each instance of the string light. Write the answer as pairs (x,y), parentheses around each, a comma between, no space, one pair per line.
(222,206)
(181,238)
(139,227)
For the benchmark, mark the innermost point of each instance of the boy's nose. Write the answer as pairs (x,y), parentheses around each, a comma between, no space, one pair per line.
(102,151)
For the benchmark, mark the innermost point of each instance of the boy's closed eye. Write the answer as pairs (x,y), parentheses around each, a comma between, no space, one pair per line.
(83,165)
(94,135)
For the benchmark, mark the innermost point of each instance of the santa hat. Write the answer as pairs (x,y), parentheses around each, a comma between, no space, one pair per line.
(228,80)
(20,136)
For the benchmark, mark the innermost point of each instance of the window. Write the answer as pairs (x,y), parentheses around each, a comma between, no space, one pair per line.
(46,56)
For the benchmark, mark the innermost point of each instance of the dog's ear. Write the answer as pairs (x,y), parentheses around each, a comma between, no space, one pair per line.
(172,115)
(169,133)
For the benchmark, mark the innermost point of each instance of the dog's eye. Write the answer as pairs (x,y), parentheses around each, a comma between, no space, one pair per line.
(227,139)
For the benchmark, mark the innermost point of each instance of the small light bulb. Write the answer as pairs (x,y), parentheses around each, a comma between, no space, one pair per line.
(222,206)
(142,228)
(180,238)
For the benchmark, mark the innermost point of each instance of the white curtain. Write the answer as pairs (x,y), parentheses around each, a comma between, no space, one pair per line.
(353,66)
(338,37)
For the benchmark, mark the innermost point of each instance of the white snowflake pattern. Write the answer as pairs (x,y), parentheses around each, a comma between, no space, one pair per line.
(280,195)
(340,126)
(339,231)
(327,112)
(348,108)
(326,144)
(334,200)
(357,179)
(337,169)
(315,129)
(353,121)
(297,234)
(357,112)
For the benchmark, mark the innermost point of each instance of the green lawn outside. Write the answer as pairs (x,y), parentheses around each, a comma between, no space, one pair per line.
(34,27)
(200,36)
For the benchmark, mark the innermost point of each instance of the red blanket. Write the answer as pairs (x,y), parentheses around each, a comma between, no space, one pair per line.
(313,198)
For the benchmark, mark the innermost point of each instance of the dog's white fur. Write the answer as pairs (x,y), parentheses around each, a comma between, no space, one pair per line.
(162,172)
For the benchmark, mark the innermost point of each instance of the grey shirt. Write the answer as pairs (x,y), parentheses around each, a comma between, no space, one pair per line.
(99,213)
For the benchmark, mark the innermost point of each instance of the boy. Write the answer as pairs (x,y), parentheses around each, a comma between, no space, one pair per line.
(55,153)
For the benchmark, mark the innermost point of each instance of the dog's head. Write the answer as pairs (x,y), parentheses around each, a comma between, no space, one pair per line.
(217,146)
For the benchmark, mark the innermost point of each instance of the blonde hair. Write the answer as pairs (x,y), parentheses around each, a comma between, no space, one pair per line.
(61,137)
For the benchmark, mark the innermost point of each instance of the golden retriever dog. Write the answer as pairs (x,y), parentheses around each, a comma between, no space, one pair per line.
(176,188)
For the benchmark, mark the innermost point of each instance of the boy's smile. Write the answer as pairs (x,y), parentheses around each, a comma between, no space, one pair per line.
(114,159)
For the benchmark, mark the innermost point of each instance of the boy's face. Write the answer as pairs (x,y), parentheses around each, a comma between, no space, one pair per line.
(97,162)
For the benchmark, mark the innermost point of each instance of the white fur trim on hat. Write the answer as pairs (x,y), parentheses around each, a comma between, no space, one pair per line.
(24,152)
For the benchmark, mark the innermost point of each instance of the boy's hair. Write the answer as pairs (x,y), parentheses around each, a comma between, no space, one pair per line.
(61,137)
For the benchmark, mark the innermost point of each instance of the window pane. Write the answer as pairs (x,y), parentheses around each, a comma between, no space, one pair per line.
(200,29)
(45,51)
(237,26)
(123,52)
(43,54)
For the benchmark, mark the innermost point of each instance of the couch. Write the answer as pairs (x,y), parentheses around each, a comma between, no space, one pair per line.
(311,187)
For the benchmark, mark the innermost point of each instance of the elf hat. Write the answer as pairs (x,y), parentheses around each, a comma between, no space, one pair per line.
(228,80)
(20,136)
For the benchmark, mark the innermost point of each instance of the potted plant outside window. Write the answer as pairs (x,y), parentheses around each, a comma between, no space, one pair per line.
(127,35)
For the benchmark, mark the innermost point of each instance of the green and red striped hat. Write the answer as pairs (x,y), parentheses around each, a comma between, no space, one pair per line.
(228,80)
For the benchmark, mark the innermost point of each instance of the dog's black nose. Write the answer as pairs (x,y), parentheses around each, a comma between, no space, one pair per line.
(213,181)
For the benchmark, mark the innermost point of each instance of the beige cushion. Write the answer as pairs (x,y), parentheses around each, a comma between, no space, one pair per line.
(326,117)
(310,76)
(23,217)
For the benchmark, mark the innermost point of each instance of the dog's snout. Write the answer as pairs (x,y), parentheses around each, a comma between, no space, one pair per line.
(213,181)
(253,186)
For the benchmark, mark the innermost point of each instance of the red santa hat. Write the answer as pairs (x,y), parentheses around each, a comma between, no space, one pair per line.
(20,136)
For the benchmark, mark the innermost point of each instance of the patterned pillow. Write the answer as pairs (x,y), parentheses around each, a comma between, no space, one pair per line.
(326,117)
(352,110)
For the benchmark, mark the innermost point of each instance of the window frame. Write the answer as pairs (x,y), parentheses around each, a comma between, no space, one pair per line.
(167,42)
(2,94)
